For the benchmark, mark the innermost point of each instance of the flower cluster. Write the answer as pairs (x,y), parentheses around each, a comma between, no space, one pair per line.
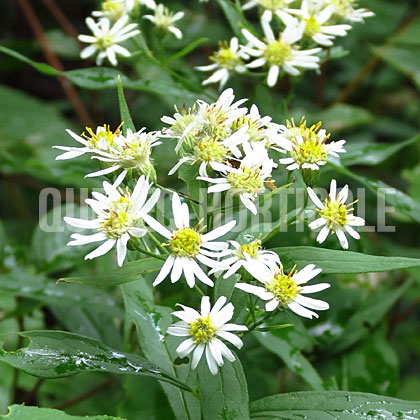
(303,33)
(233,143)
(113,27)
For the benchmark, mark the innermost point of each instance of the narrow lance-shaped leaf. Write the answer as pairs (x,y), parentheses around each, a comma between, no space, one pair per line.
(57,354)
(21,412)
(337,405)
(129,272)
(124,111)
(225,395)
(342,262)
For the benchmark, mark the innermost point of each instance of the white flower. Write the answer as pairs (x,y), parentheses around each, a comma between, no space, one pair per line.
(211,151)
(270,6)
(119,216)
(130,152)
(259,128)
(335,215)
(247,181)
(307,146)
(105,40)
(348,10)
(228,59)
(250,254)
(282,53)
(286,289)
(203,119)
(204,330)
(187,246)
(164,20)
(316,24)
(115,9)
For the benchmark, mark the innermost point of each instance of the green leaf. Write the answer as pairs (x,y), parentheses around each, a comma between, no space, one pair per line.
(342,116)
(151,322)
(373,153)
(370,313)
(43,289)
(186,50)
(57,354)
(404,58)
(235,17)
(124,111)
(281,343)
(340,262)
(41,67)
(393,197)
(225,395)
(337,405)
(20,412)
(128,272)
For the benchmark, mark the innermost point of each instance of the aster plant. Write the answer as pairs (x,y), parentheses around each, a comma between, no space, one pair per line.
(222,254)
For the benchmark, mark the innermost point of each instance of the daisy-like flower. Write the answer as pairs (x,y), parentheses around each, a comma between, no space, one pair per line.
(282,53)
(106,39)
(212,151)
(259,128)
(164,20)
(130,152)
(227,59)
(188,245)
(316,24)
(287,290)
(204,330)
(248,254)
(307,146)
(247,181)
(335,215)
(348,10)
(115,9)
(119,216)
(269,7)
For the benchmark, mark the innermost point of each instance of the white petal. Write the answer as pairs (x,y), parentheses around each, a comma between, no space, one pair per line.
(342,238)
(271,306)
(219,231)
(317,223)
(122,248)
(315,288)
(310,303)
(323,234)
(186,347)
(101,250)
(315,198)
(164,271)
(199,273)
(333,190)
(352,232)
(177,269)
(198,352)
(211,362)
(103,171)
(232,338)
(214,347)
(82,223)
(255,290)
(155,225)
(273,74)
(188,268)
(300,310)
(205,306)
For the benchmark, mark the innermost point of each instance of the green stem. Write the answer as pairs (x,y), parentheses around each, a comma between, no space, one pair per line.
(151,254)
(161,248)
(200,292)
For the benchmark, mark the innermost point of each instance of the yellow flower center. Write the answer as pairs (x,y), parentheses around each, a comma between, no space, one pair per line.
(277,53)
(283,287)
(272,4)
(211,150)
(334,213)
(252,249)
(202,330)
(120,219)
(312,26)
(114,9)
(246,181)
(309,152)
(104,42)
(225,57)
(103,137)
(185,243)
(255,127)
